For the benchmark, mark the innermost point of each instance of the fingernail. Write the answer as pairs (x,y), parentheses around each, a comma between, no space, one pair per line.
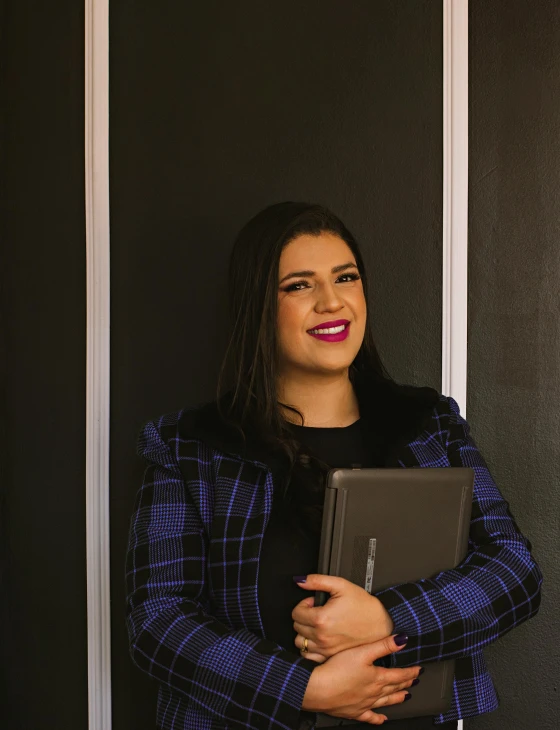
(407,696)
(299,578)
(422,670)
(415,682)
(400,639)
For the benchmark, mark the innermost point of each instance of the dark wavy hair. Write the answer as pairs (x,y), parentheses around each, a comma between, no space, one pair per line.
(250,365)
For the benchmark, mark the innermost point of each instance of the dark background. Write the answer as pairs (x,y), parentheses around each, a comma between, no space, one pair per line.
(217,110)
(514,318)
(43,642)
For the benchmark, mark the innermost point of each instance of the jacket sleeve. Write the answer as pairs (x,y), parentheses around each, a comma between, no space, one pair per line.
(458,612)
(246,681)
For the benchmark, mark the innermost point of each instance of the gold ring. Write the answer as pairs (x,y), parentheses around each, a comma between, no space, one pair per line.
(304,647)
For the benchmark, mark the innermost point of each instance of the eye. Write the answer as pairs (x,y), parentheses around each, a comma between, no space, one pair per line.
(345,278)
(297,286)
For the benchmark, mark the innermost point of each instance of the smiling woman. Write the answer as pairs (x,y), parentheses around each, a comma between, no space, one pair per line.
(226,528)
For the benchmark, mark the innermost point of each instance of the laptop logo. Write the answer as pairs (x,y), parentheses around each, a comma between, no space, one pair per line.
(363,561)
(370,564)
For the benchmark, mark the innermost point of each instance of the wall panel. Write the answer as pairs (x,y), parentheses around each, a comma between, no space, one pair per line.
(43,606)
(514,317)
(218,109)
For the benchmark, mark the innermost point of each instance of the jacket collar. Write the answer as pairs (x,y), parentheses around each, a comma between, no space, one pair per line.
(395,414)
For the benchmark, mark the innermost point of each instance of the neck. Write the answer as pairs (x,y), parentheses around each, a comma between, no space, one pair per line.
(327,401)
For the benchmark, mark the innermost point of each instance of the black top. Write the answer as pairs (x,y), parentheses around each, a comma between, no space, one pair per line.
(286,552)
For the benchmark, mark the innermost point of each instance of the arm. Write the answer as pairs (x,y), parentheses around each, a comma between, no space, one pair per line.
(231,673)
(496,587)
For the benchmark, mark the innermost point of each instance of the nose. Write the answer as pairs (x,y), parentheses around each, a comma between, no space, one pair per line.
(328,299)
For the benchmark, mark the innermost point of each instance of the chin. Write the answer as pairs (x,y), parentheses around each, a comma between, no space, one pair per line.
(321,363)
(330,367)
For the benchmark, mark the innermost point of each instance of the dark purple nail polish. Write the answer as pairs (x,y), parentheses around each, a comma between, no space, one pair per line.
(415,682)
(299,578)
(407,696)
(422,670)
(401,639)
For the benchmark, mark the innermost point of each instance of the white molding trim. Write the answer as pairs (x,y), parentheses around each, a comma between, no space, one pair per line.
(455,199)
(455,202)
(97,358)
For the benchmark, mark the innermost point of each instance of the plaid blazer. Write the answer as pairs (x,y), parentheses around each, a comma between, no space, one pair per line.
(193,562)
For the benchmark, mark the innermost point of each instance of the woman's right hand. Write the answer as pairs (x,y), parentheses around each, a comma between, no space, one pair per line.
(348,684)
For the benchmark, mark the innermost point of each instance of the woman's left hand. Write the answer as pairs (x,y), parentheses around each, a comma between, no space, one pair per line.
(351,617)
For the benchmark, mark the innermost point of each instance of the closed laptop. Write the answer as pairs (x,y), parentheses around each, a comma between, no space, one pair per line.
(382,527)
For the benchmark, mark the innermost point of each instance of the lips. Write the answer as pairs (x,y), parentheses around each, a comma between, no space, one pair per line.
(333,331)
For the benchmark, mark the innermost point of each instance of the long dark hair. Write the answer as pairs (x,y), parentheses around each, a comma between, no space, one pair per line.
(250,366)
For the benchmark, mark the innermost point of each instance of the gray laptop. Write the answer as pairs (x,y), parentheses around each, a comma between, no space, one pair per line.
(382,527)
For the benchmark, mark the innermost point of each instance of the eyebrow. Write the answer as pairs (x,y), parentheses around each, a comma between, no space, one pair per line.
(334,270)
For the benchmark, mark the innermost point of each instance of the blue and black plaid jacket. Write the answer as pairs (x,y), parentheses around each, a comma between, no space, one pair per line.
(193,562)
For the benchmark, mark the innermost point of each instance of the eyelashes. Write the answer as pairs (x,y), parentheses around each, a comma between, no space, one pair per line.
(303,284)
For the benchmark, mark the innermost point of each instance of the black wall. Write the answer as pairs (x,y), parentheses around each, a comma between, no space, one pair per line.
(43,614)
(218,109)
(514,317)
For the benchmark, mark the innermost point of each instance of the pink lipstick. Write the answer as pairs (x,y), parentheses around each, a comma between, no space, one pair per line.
(335,331)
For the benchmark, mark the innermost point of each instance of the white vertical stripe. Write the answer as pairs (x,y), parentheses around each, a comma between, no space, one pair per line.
(455,201)
(97,374)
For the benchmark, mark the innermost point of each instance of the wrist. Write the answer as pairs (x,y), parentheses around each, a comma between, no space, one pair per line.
(313,694)
(381,622)
(389,625)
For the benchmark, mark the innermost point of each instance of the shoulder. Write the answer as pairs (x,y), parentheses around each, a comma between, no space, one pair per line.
(422,410)
(398,411)
(457,427)
(446,423)
(156,436)
(202,424)
(426,402)
(444,406)
(403,413)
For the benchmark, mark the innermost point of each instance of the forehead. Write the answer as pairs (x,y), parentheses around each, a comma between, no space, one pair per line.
(317,253)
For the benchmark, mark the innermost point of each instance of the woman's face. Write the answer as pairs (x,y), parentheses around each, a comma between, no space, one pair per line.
(321,306)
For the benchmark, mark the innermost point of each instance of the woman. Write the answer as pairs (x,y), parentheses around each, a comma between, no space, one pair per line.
(225,532)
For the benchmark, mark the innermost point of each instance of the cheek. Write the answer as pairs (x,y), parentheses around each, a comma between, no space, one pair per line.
(361,304)
(290,325)
(360,309)
(289,317)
